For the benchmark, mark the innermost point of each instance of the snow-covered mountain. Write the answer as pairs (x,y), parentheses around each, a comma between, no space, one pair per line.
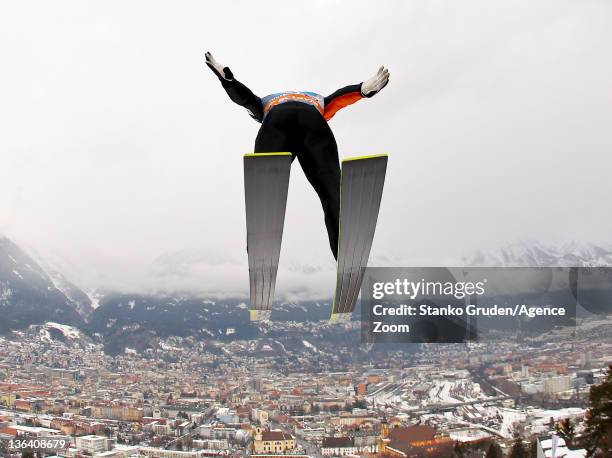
(51,333)
(28,294)
(592,289)
(537,254)
(81,300)
(59,271)
(32,294)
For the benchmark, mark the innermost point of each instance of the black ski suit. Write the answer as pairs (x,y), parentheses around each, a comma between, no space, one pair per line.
(296,122)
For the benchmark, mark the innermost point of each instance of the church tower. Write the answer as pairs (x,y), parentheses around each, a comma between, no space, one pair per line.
(383,438)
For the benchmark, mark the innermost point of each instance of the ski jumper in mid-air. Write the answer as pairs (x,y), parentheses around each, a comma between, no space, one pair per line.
(296,122)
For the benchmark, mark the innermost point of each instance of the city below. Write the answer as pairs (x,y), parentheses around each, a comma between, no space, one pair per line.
(191,398)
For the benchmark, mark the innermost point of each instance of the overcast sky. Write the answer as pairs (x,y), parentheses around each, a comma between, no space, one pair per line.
(121,155)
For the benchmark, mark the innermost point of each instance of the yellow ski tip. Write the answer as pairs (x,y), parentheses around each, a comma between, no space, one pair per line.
(359,158)
(260,315)
(340,318)
(266,154)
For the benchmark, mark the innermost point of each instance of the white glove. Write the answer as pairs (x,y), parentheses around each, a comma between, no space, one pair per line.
(220,70)
(373,86)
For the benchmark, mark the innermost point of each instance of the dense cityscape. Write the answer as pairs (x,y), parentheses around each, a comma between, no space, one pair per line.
(193,398)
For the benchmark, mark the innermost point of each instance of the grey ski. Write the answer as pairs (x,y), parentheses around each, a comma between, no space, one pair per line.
(266,182)
(361,190)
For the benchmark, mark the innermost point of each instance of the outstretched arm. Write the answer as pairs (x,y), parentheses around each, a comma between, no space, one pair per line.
(351,94)
(237,91)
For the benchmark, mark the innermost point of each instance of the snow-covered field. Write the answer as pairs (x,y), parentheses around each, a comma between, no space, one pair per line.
(68,331)
(439,392)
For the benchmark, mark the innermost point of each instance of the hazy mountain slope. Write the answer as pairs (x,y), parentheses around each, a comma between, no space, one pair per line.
(28,294)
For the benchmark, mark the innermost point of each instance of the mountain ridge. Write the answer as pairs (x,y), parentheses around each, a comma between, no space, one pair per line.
(30,295)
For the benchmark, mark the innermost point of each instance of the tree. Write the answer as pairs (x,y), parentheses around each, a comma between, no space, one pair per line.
(598,432)
(565,429)
(494,451)
(533,449)
(518,449)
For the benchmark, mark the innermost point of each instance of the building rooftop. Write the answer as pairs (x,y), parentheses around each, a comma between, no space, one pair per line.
(275,436)
(337,442)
